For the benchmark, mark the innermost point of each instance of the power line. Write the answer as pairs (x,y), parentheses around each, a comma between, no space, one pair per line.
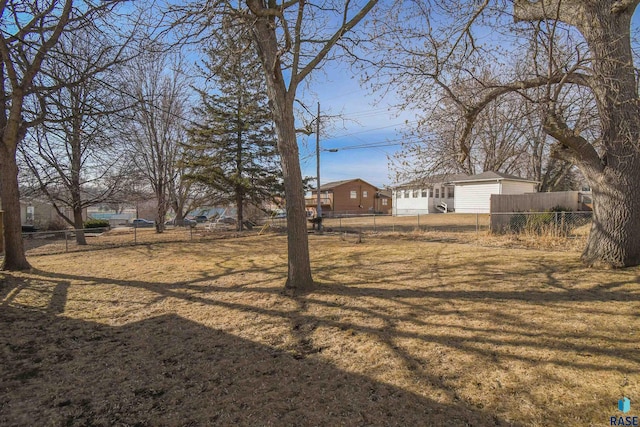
(377,144)
(369,145)
(371,130)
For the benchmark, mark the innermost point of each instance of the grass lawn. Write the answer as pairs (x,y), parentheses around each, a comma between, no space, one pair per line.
(401,330)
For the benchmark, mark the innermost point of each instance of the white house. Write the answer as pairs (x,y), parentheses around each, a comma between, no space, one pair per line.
(432,195)
(473,193)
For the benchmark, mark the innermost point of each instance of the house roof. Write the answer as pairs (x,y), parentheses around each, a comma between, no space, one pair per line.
(430,180)
(334,184)
(491,176)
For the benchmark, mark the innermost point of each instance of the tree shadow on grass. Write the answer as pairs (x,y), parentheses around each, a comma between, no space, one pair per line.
(168,370)
(418,315)
(416,304)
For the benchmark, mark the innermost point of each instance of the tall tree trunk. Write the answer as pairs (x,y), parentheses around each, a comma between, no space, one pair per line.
(14,256)
(615,232)
(76,196)
(299,272)
(281,101)
(614,175)
(239,208)
(178,209)
(239,184)
(161,209)
(78,223)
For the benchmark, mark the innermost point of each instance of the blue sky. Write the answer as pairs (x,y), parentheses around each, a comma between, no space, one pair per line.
(363,121)
(340,92)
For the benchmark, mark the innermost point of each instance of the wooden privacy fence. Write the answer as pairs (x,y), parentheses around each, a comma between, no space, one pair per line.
(541,223)
(536,202)
(505,206)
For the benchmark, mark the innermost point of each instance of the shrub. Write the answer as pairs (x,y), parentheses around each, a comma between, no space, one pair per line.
(517,222)
(56,224)
(555,222)
(541,223)
(96,223)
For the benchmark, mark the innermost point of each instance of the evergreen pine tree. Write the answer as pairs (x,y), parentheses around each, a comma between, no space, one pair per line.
(233,150)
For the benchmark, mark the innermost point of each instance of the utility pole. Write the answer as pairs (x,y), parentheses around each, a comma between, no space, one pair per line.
(319,204)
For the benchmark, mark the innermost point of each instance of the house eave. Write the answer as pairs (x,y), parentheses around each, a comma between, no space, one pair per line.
(493,180)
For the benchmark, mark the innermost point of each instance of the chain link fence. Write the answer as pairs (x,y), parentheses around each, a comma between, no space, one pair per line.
(451,227)
(558,224)
(460,223)
(52,242)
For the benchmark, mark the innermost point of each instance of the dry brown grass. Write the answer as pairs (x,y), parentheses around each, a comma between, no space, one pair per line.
(401,330)
(433,222)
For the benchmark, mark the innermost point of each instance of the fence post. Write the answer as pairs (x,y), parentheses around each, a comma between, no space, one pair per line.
(418,221)
(190,233)
(135,235)
(477,225)
(66,242)
(374,221)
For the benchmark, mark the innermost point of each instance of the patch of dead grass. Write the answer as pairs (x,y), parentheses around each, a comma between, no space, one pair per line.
(400,330)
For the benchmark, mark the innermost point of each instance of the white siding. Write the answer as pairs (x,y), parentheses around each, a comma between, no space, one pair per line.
(420,205)
(475,197)
(435,201)
(409,205)
(517,187)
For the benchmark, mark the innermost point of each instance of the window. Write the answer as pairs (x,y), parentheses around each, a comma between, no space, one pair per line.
(431,192)
(451,192)
(384,202)
(365,194)
(424,193)
(354,194)
(437,193)
(404,194)
(415,194)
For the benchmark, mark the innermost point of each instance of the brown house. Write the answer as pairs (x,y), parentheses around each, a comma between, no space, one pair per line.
(350,197)
(384,202)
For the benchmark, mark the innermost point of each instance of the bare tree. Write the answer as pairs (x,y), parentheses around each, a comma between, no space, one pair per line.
(34,30)
(508,137)
(156,128)
(499,143)
(73,153)
(185,195)
(580,51)
(293,39)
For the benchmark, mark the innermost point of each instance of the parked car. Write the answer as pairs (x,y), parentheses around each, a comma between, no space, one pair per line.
(201,218)
(141,223)
(29,228)
(181,222)
(227,220)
